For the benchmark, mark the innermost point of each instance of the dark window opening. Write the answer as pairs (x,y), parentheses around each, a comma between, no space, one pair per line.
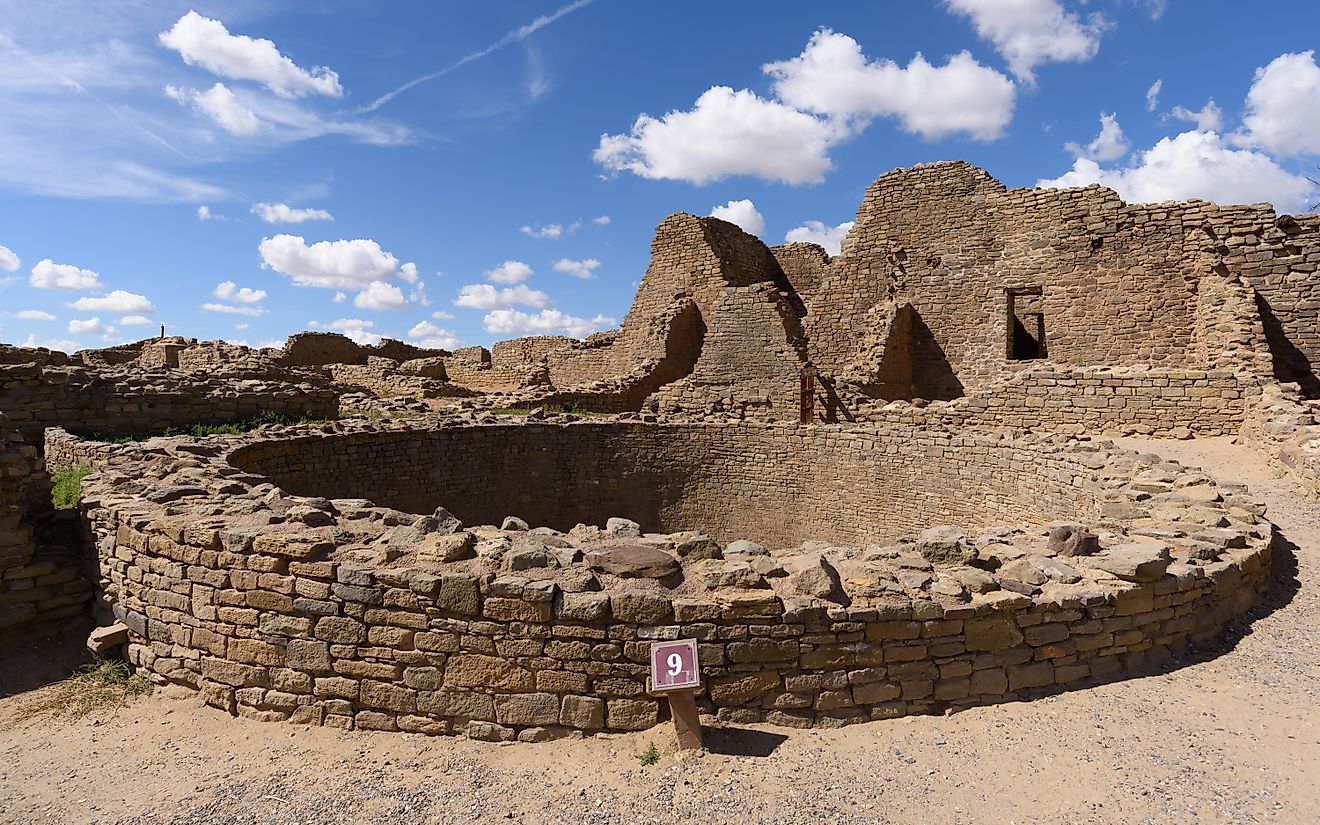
(1026,324)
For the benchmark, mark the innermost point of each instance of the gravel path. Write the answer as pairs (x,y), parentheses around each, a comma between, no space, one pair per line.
(1229,735)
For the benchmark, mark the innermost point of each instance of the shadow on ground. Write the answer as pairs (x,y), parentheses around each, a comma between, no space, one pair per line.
(742,741)
(31,663)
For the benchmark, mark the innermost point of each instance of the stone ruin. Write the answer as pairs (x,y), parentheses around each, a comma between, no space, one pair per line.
(939,523)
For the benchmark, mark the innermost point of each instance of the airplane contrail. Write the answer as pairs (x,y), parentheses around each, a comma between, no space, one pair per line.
(69,83)
(514,36)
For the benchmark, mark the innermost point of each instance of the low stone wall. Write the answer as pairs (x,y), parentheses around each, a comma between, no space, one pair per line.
(1146,401)
(1286,428)
(129,401)
(347,614)
(64,451)
(773,484)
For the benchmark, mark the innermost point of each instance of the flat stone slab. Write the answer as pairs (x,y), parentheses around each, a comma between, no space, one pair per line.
(633,561)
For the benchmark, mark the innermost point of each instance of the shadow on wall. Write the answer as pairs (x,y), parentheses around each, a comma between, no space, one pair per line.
(913,365)
(1290,363)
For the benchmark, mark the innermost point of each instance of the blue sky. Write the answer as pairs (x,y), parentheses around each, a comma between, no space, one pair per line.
(462,172)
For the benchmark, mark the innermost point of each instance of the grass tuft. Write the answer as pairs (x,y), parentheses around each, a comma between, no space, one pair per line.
(66,486)
(105,684)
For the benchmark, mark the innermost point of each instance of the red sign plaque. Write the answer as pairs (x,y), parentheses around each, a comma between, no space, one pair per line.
(674,666)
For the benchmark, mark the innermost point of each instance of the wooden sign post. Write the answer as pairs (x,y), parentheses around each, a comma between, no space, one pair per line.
(676,673)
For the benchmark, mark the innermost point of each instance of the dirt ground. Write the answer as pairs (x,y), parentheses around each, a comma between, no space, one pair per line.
(1226,735)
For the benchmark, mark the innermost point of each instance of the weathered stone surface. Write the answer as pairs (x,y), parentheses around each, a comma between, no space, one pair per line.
(1143,561)
(945,545)
(1072,540)
(633,561)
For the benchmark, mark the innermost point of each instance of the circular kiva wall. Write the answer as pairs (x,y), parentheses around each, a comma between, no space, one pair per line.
(775,485)
(267,571)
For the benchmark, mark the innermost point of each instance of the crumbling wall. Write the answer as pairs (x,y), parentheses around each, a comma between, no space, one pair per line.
(750,363)
(42,586)
(130,401)
(1114,281)
(692,259)
(1278,256)
(311,349)
(804,265)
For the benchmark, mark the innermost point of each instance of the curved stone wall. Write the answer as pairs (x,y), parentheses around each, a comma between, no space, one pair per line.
(778,485)
(346,613)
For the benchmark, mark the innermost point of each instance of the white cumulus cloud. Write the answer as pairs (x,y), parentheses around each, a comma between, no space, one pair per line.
(603,220)
(118,302)
(485,296)
(9,262)
(204,213)
(1283,107)
(817,232)
(49,275)
(90,326)
(1194,165)
(230,309)
(725,133)
(221,105)
(428,335)
(1209,119)
(1109,144)
(230,291)
(742,213)
(509,272)
(380,295)
(441,315)
(584,268)
(553,230)
(283,213)
(34,315)
(354,328)
(205,42)
(136,321)
(545,322)
(1028,33)
(345,265)
(832,77)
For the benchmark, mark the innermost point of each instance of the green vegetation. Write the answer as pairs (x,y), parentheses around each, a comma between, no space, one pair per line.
(66,486)
(104,684)
(649,756)
(203,430)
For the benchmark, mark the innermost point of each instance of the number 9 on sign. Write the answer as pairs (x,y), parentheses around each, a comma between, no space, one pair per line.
(674,665)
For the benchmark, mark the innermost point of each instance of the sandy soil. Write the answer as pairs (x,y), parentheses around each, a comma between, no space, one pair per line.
(1225,735)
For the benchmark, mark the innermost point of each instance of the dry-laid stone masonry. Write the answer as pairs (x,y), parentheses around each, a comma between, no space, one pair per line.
(1069,561)
(944,532)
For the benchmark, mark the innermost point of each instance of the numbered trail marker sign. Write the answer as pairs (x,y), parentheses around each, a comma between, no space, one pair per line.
(674,666)
(676,673)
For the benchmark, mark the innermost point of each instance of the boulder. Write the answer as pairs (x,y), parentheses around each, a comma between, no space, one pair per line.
(743,547)
(715,573)
(623,527)
(439,548)
(1072,540)
(814,576)
(945,545)
(633,561)
(514,523)
(697,547)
